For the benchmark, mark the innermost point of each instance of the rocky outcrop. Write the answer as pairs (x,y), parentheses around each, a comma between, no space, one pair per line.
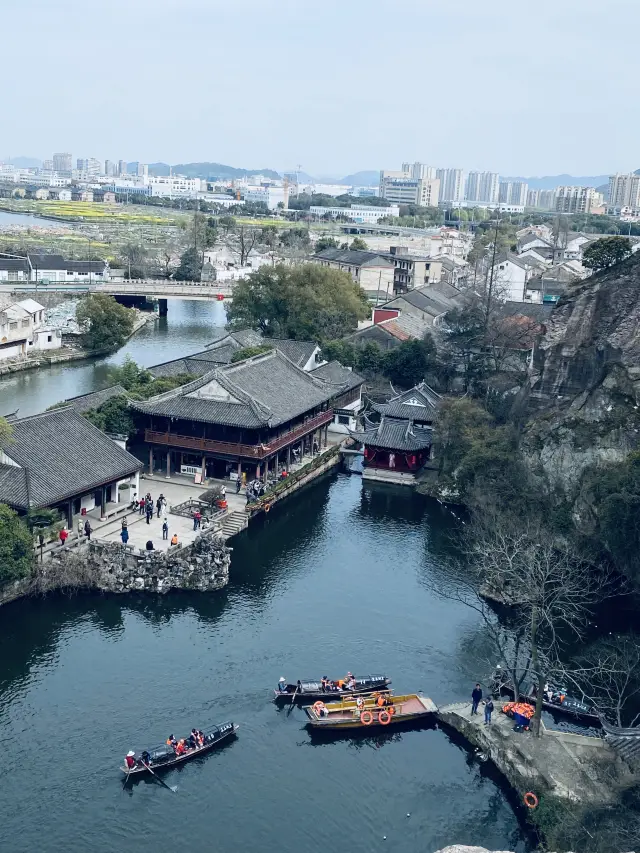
(581,403)
(112,567)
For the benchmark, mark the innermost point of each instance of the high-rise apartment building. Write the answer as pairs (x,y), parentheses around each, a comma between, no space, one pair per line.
(143,170)
(62,162)
(451,184)
(533,198)
(513,193)
(82,164)
(122,167)
(415,184)
(547,199)
(110,168)
(575,199)
(482,187)
(47,165)
(624,190)
(94,167)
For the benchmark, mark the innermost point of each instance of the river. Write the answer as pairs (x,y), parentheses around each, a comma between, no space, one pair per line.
(188,327)
(25,220)
(340,578)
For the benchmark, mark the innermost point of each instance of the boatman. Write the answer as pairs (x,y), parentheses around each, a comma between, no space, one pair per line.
(130,759)
(282,684)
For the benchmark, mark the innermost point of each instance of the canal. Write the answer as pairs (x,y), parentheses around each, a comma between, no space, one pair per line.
(339,579)
(188,327)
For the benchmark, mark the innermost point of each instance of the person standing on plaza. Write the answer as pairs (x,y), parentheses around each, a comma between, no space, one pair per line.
(165,529)
(63,536)
(124,535)
(87,530)
(488,710)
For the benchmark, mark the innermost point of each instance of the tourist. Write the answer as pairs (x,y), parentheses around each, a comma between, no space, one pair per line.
(141,505)
(164,507)
(193,739)
(124,535)
(238,486)
(149,512)
(323,683)
(159,504)
(130,759)
(80,528)
(282,684)
(174,539)
(165,529)
(134,502)
(488,710)
(172,742)
(145,757)
(87,529)
(63,535)
(476,698)
(149,545)
(197,518)
(125,523)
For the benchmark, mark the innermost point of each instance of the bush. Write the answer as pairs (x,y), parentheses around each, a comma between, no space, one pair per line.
(16,547)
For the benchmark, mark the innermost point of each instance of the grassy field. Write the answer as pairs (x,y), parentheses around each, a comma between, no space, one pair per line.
(94,212)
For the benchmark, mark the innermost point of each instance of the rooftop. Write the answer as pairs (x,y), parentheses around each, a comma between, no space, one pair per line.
(58,455)
(85,402)
(393,434)
(338,375)
(354,258)
(417,404)
(263,391)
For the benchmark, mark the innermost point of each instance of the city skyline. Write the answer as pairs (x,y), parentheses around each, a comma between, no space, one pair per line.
(280,85)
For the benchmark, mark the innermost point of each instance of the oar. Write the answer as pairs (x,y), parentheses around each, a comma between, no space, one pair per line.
(173,788)
(292,699)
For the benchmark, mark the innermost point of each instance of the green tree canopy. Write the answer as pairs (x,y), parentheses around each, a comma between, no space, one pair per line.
(306,302)
(6,433)
(606,252)
(407,364)
(105,324)
(358,244)
(16,546)
(190,268)
(326,243)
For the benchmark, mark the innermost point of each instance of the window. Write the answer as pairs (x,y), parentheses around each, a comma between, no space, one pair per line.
(25,324)
(13,326)
(48,339)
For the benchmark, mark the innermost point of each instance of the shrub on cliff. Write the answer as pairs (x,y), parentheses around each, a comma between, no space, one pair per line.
(606,252)
(16,546)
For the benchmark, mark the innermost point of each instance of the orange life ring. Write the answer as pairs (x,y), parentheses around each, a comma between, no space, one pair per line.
(530,800)
(366,718)
(384,718)
(267,507)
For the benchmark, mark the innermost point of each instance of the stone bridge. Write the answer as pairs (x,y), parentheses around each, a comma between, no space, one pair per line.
(153,289)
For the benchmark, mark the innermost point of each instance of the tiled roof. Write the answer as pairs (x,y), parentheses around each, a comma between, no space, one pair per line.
(85,402)
(266,390)
(354,258)
(13,485)
(62,455)
(406,327)
(394,434)
(338,375)
(57,262)
(299,352)
(13,264)
(180,367)
(418,404)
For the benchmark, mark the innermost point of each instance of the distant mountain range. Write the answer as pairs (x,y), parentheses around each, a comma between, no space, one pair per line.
(24,162)
(550,182)
(367,178)
(208,170)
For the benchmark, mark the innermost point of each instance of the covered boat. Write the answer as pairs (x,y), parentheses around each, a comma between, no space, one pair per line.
(558,701)
(367,712)
(163,757)
(308,691)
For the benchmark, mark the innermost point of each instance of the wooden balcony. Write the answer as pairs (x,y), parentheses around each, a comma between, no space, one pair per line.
(228,448)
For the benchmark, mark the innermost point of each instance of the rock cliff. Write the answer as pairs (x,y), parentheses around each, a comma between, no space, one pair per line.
(581,402)
(110,567)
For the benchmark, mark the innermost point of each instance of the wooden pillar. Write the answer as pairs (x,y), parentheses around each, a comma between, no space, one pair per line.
(288,457)
(151,460)
(265,473)
(168,464)
(258,471)
(239,470)
(326,434)
(103,501)
(204,468)
(70,516)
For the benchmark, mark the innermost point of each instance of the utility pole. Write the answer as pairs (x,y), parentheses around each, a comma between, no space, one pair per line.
(489,293)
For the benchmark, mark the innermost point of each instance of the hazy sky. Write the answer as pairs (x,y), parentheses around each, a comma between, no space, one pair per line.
(337,86)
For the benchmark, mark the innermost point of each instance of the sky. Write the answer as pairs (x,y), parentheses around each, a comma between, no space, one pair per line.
(336,86)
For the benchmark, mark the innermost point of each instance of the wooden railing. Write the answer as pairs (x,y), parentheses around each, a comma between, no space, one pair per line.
(252,451)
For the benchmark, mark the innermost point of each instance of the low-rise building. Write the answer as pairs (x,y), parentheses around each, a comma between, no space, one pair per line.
(249,417)
(59,460)
(23,329)
(371,270)
(273,197)
(365,213)
(346,401)
(416,184)
(54,268)
(398,447)
(60,194)
(412,270)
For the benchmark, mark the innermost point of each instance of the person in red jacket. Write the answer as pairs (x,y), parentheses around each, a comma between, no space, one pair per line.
(63,535)
(130,759)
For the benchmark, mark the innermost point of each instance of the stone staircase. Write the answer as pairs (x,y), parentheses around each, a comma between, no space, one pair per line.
(233,523)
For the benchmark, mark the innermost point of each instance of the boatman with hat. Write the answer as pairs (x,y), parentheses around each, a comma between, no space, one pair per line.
(130,759)
(282,684)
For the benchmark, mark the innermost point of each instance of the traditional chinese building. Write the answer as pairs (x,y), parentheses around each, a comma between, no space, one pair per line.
(249,417)
(59,460)
(399,446)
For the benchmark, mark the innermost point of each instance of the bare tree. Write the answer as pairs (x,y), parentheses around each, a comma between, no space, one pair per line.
(608,675)
(246,239)
(548,591)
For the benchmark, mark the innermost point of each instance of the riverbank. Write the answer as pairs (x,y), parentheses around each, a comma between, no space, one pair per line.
(66,353)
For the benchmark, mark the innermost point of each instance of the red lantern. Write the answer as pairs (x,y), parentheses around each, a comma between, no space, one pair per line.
(220,297)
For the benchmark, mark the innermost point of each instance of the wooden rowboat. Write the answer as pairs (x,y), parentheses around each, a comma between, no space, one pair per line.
(306,692)
(163,757)
(348,714)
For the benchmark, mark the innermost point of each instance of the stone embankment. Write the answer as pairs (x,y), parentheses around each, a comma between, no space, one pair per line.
(568,767)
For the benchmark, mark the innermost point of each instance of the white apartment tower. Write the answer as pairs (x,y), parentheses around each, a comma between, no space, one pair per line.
(451,184)
(414,184)
(575,199)
(513,192)
(624,190)
(483,187)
